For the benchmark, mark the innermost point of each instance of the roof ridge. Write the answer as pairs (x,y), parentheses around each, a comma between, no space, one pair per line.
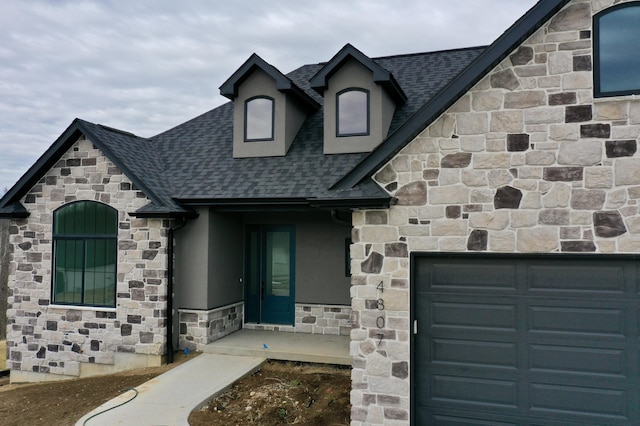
(406,55)
(120,131)
(401,55)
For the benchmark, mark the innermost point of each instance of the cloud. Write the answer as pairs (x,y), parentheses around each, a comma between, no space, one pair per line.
(148,65)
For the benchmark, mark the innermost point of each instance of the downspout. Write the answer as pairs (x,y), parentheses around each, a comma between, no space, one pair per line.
(336,219)
(170,254)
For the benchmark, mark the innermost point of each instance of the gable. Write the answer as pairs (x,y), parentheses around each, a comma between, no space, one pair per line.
(454,90)
(130,159)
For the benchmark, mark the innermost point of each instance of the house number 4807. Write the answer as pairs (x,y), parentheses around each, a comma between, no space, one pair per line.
(380,322)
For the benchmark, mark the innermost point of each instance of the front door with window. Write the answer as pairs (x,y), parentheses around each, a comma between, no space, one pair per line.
(270,274)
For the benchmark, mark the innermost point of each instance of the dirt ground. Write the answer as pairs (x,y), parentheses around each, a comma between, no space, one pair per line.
(271,393)
(283,393)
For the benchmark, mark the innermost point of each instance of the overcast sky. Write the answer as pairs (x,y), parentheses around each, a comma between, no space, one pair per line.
(146,66)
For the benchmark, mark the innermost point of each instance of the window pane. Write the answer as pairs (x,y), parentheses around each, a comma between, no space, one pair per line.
(99,273)
(352,113)
(68,271)
(278,263)
(86,218)
(259,119)
(619,33)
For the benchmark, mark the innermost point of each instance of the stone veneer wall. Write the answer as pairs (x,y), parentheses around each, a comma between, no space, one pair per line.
(314,319)
(527,161)
(72,341)
(202,327)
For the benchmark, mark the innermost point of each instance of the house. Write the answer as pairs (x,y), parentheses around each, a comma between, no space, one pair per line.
(469,217)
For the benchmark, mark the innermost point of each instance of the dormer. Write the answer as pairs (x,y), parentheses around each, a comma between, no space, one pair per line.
(360,98)
(268,109)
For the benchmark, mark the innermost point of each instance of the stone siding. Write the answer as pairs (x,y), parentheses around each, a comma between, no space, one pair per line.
(314,319)
(526,162)
(4,276)
(202,327)
(47,338)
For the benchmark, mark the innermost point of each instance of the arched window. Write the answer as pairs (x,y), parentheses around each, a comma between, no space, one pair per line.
(258,121)
(617,61)
(352,110)
(85,254)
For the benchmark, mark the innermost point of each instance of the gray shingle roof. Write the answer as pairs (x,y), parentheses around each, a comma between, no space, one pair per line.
(193,162)
(197,155)
(139,159)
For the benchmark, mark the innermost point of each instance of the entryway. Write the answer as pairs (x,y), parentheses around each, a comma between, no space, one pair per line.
(270,274)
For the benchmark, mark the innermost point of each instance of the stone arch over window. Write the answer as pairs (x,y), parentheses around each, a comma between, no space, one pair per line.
(259,119)
(617,63)
(352,112)
(85,237)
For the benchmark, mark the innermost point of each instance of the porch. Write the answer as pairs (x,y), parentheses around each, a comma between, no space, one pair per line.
(317,348)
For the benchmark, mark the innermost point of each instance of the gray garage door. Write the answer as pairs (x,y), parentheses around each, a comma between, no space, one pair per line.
(526,340)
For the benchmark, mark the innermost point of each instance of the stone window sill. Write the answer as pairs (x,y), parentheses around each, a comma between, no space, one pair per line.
(622,98)
(82,308)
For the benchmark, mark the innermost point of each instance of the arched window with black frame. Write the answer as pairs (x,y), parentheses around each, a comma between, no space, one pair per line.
(85,237)
(259,114)
(352,112)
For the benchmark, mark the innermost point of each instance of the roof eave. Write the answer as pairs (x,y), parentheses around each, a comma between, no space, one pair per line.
(353,203)
(14,211)
(45,162)
(262,204)
(164,215)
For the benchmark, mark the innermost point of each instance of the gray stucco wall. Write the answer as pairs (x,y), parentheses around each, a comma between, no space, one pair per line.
(321,263)
(226,239)
(210,258)
(191,251)
(209,261)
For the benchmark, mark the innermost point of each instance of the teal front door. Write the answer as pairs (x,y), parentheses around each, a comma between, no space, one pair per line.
(270,274)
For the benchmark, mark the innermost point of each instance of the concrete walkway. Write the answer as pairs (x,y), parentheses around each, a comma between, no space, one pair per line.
(169,398)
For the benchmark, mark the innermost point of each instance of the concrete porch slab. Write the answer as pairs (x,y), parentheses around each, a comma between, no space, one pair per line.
(318,348)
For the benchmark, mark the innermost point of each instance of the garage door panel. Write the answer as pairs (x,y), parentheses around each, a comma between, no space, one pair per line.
(577,278)
(475,276)
(449,420)
(480,393)
(577,402)
(474,354)
(473,315)
(577,321)
(578,360)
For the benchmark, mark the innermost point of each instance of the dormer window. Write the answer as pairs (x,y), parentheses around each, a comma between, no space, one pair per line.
(360,101)
(259,112)
(267,106)
(352,110)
